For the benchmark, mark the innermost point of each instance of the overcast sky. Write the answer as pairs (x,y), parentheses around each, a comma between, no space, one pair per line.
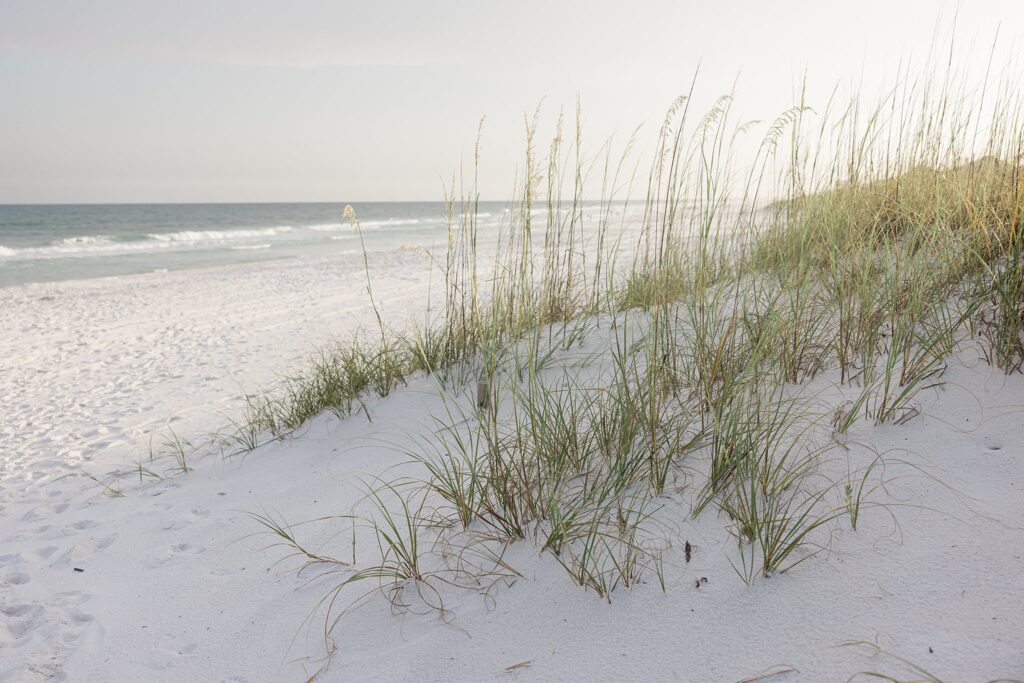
(361,101)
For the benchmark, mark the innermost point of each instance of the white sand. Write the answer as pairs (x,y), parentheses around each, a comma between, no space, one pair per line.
(179,586)
(90,368)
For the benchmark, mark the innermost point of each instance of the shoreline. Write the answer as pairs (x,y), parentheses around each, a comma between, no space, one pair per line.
(114,279)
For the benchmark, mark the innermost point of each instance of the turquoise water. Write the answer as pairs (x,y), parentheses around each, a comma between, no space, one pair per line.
(47,243)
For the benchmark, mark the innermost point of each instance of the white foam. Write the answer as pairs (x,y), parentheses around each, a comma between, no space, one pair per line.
(390,222)
(62,250)
(251,247)
(192,236)
(103,245)
(85,239)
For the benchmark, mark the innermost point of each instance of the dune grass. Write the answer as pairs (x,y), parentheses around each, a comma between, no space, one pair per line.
(869,242)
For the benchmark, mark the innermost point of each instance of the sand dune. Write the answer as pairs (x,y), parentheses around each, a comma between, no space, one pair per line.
(173,580)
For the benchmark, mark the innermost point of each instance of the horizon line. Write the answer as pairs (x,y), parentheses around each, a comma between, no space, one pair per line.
(318,201)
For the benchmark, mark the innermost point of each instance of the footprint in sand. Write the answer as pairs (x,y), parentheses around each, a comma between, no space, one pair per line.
(166,556)
(181,521)
(76,618)
(25,611)
(46,532)
(50,532)
(45,552)
(10,558)
(36,628)
(168,654)
(80,552)
(21,620)
(44,512)
(15,579)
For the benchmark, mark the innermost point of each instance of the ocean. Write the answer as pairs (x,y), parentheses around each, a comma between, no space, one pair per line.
(48,243)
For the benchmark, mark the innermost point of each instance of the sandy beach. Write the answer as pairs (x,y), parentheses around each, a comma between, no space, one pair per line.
(91,369)
(173,580)
(98,363)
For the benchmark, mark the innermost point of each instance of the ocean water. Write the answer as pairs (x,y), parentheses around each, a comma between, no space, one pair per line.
(48,243)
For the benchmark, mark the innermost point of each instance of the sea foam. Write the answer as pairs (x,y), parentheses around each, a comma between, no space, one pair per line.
(193,236)
(104,245)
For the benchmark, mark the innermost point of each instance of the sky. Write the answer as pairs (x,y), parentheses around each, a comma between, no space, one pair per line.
(253,101)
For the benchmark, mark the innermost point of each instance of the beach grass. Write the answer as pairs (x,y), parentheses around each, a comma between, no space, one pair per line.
(872,242)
